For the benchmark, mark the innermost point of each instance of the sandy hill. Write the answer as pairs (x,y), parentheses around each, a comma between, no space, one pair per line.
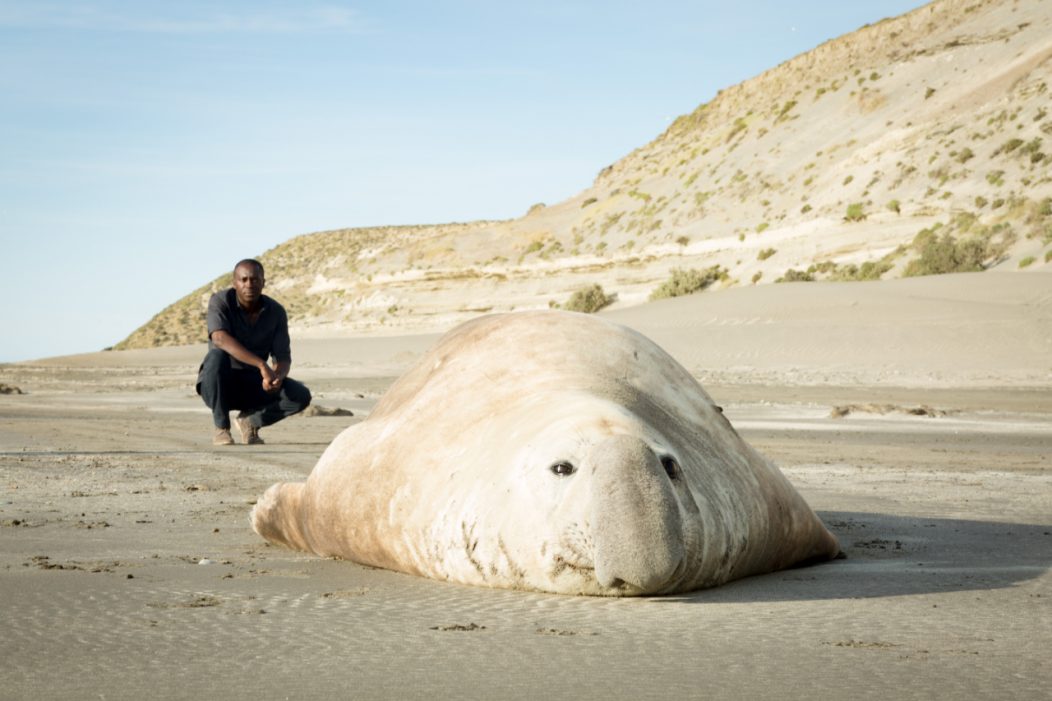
(918,145)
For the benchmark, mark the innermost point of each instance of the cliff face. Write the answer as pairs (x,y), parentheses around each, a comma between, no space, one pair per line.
(912,146)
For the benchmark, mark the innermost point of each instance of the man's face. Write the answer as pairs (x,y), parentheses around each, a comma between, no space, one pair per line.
(248,284)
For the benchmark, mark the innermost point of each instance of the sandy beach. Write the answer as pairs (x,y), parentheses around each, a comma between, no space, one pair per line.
(914,415)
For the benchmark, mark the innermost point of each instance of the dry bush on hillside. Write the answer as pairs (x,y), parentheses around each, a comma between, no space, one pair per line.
(588,300)
(685,282)
(794,275)
(945,254)
(855,212)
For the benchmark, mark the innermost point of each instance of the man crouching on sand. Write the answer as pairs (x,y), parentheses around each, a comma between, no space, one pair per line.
(245,329)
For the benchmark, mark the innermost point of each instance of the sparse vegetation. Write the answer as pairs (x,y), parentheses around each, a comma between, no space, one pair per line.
(588,300)
(685,282)
(786,108)
(740,125)
(641,224)
(794,275)
(870,270)
(1008,146)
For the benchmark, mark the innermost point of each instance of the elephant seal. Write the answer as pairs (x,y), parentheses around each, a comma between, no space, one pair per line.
(550,451)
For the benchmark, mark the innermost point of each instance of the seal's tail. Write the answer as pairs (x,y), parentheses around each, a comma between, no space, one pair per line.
(276,516)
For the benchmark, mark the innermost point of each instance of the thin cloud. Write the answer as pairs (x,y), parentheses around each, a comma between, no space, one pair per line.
(180,19)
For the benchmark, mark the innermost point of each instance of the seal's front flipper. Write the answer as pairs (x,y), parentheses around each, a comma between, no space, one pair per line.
(276,516)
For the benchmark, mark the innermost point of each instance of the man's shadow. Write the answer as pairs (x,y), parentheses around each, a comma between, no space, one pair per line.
(901,555)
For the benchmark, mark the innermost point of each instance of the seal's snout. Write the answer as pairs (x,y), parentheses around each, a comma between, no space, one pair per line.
(634,514)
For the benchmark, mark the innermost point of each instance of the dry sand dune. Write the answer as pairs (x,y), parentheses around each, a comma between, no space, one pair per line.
(128,568)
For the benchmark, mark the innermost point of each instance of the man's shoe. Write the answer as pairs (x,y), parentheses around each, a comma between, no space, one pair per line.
(222,437)
(249,433)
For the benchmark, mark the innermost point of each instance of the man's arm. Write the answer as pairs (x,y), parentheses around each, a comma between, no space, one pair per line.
(226,342)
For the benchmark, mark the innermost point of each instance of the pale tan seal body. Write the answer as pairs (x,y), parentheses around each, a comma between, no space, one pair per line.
(550,451)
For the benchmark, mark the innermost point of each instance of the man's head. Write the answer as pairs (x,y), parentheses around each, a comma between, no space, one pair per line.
(248,282)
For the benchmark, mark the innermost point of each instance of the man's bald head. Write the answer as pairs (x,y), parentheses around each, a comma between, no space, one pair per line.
(249,262)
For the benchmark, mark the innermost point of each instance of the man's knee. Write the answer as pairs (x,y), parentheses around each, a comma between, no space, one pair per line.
(215,366)
(215,361)
(297,393)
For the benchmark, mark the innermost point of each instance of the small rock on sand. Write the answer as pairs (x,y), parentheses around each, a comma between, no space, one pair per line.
(315,410)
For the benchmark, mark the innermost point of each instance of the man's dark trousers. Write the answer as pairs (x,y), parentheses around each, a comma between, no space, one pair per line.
(224,387)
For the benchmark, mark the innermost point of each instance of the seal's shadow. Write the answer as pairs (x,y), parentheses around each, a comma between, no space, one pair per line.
(896,556)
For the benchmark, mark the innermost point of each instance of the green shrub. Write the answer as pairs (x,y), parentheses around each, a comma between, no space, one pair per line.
(683,240)
(685,282)
(1008,146)
(765,254)
(588,300)
(895,206)
(928,93)
(981,201)
(945,254)
(805,209)
(759,273)
(964,155)
(762,227)
(855,212)
(590,200)
(1029,260)
(1031,147)
(793,275)
(789,105)
(1048,256)
(870,270)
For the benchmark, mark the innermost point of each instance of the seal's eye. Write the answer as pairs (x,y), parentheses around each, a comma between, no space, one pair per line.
(563,468)
(670,465)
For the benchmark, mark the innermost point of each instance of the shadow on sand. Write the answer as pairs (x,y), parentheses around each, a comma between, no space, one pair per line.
(897,556)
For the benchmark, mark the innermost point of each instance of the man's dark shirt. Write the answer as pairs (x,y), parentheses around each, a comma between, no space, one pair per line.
(269,336)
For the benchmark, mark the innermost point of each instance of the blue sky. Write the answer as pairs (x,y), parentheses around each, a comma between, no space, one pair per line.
(147,146)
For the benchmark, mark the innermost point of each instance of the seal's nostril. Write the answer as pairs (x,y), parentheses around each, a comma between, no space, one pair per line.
(671,468)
